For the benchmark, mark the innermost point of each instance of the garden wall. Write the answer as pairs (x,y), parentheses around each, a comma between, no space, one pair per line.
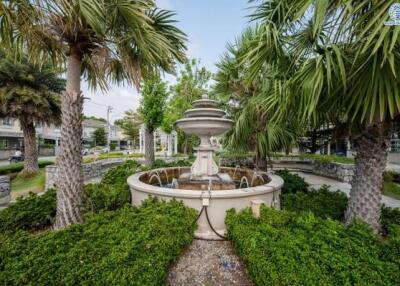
(90,171)
(5,190)
(97,169)
(339,171)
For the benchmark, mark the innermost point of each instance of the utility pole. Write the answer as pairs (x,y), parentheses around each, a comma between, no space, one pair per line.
(109,108)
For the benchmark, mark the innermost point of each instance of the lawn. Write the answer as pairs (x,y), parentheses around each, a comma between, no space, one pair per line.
(391,189)
(21,186)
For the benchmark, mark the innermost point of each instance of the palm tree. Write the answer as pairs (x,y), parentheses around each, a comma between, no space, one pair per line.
(103,41)
(253,130)
(31,94)
(343,63)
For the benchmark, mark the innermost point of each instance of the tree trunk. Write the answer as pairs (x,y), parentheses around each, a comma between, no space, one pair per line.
(70,179)
(370,162)
(149,148)
(31,165)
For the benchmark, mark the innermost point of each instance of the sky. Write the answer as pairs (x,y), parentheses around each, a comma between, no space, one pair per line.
(209,25)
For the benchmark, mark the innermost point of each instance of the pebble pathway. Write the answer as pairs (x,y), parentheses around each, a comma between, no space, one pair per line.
(211,263)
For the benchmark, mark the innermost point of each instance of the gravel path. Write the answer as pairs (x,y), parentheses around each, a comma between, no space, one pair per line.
(211,263)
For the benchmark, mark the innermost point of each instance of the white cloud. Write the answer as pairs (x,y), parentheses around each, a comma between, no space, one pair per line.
(120,99)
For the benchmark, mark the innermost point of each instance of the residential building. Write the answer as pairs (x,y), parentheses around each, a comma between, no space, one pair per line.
(12,139)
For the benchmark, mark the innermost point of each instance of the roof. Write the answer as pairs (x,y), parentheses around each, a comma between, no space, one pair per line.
(93,123)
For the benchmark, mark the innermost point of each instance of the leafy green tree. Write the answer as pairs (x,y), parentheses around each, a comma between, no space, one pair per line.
(31,94)
(342,59)
(130,125)
(100,137)
(191,83)
(151,110)
(101,41)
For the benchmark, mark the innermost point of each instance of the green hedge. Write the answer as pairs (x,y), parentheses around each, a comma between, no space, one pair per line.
(322,203)
(159,163)
(293,183)
(130,246)
(37,212)
(30,213)
(284,248)
(17,167)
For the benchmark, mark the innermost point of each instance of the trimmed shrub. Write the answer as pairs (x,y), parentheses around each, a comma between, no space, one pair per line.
(130,246)
(104,197)
(29,213)
(293,183)
(17,167)
(117,176)
(390,218)
(322,203)
(283,248)
(113,190)
(158,163)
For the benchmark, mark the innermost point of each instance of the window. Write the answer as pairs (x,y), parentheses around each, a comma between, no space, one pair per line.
(3,144)
(7,121)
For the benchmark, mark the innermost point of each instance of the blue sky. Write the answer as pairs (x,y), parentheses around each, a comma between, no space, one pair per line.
(208,24)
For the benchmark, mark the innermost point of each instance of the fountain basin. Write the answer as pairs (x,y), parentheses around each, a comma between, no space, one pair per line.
(219,201)
(204,126)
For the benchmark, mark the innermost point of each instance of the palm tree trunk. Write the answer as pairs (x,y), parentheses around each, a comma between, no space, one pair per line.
(367,184)
(70,179)
(31,165)
(149,148)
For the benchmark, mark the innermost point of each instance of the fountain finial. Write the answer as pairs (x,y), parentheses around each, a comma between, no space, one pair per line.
(204,96)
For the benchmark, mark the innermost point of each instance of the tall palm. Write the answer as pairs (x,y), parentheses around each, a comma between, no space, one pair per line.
(253,130)
(343,61)
(31,94)
(100,40)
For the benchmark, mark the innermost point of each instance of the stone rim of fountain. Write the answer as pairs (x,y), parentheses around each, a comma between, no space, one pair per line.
(274,184)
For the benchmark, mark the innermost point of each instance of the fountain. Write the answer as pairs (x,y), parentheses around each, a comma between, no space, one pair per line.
(205,186)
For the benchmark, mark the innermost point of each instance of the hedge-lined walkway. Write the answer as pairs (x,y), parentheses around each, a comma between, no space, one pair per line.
(316,182)
(211,263)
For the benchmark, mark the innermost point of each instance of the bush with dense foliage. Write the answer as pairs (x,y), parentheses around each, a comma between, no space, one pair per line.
(284,248)
(390,218)
(101,197)
(130,246)
(17,167)
(158,163)
(323,203)
(113,190)
(30,213)
(293,183)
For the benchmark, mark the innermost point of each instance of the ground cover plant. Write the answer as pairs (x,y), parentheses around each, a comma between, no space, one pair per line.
(287,248)
(293,183)
(322,203)
(129,246)
(297,197)
(30,213)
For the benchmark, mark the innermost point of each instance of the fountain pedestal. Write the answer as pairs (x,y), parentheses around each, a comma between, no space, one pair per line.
(204,165)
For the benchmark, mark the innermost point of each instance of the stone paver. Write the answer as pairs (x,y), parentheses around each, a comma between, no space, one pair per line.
(317,181)
(211,263)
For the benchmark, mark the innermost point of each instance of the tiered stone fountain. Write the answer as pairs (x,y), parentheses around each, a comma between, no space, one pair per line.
(204,186)
(205,120)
